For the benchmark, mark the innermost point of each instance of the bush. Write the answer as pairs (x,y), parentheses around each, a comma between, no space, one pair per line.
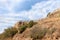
(38,33)
(22,28)
(10,32)
(31,23)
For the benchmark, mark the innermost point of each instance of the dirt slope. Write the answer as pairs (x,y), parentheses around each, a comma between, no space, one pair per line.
(50,22)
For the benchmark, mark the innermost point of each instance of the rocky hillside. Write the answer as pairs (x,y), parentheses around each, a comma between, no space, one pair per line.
(45,29)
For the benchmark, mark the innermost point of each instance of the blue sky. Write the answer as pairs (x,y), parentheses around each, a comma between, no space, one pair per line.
(12,11)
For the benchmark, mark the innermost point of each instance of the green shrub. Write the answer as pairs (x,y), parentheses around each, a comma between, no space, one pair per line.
(22,28)
(10,32)
(31,23)
(38,33)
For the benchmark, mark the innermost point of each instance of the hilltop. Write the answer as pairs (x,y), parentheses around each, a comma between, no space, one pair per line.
(44,29)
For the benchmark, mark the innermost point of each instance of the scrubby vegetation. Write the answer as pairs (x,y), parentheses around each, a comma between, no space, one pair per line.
(22,28)
(38,32)
(31,23)
(9,32)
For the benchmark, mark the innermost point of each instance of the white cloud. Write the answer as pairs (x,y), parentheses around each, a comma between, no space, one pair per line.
(41,9)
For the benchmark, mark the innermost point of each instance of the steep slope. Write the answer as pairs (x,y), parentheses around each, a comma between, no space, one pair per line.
(52,21)
(45,29)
